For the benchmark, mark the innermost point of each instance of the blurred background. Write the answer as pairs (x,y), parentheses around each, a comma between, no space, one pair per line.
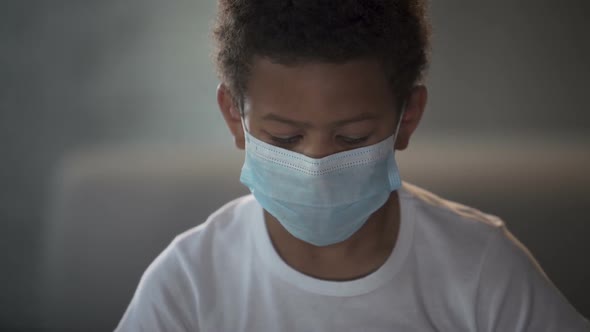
(111,143)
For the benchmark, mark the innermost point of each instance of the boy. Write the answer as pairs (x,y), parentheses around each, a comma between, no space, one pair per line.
(320,94)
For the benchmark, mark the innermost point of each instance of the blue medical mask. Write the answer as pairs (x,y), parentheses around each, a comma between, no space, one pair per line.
(321,201)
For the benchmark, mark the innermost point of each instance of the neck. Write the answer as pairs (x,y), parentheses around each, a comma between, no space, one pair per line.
(361,254)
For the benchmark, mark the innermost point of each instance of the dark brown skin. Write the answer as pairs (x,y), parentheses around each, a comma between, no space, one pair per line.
(318,109)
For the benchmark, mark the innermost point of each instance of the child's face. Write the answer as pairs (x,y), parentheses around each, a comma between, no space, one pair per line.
(316,109)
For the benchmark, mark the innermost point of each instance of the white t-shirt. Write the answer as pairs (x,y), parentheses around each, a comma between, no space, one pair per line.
(453,268)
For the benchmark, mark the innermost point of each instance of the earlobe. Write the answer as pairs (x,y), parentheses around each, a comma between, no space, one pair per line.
(230,114)
(240,143)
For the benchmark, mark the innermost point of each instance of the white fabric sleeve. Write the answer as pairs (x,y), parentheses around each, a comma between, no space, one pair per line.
(515,295)
(164,299)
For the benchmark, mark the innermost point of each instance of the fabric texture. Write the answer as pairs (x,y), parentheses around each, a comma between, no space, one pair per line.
(453,268)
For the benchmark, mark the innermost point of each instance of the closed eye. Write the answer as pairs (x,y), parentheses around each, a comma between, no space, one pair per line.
(285,140)
(353,140)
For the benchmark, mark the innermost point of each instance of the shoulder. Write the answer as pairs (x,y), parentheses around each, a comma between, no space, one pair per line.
(223,232)
(227,223)
(515,294)
(168,293)
(447,225)
(473,253)
(445,210)
(439,220)
(218,244)
(164,299)
(449,239)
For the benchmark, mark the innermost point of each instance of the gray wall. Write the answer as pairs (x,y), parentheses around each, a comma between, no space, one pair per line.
(507,77)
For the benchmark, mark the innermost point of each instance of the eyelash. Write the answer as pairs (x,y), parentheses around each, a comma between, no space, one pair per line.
(285,140)
(294,139)
(354,141)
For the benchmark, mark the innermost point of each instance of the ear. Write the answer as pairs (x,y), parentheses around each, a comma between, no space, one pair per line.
(231,114)
(415,106)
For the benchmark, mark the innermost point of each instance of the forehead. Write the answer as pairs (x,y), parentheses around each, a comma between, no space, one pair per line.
(318,89)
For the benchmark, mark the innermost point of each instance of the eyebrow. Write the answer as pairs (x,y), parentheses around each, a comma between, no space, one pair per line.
(339,123)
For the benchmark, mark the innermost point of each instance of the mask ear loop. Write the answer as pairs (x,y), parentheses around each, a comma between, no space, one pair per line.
(399,122)
(243,120)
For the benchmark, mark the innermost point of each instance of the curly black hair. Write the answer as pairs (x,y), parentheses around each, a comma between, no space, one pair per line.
(394,32)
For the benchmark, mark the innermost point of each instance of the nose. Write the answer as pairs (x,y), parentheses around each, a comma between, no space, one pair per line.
(319,147)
